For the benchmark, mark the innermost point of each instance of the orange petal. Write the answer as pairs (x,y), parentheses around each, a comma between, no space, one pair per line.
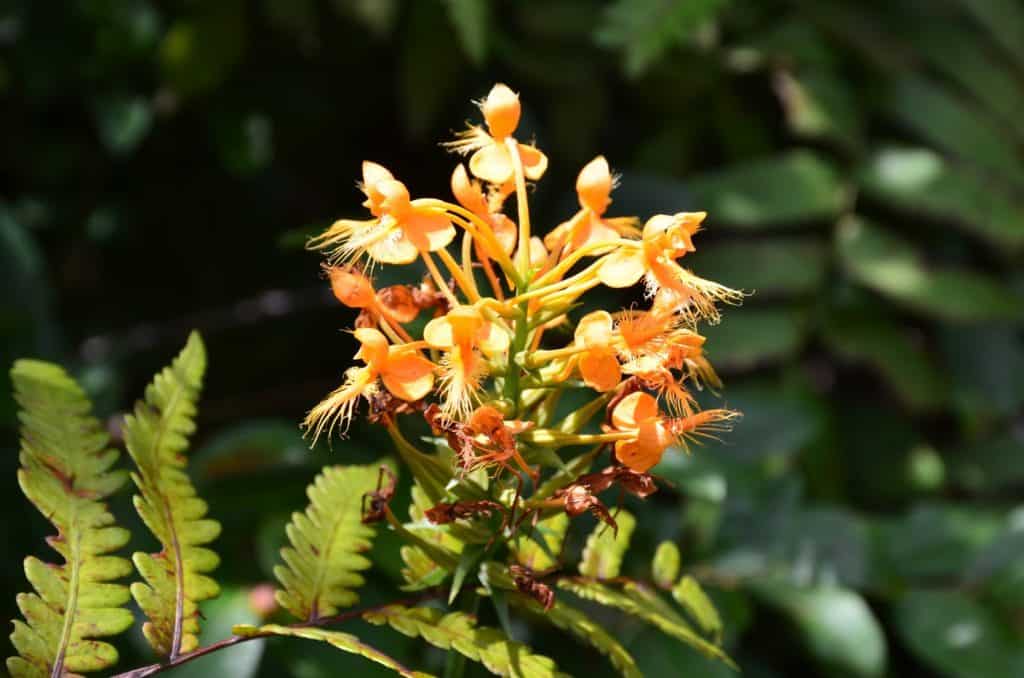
(633,409)
(595,329)
(408,375)
(492,340)
(635,456)
(350,287)
(373,349)
(468,192)
(428,231)
(501,110)
(622,269)
(505,232)
(396,248)
(491,163)
(399,303)
(438,333)
(372,175)
(600,370)
(534,162)
(594,185)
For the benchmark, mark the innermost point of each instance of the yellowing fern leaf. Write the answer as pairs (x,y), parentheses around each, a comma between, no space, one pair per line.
(647,606)
(343,641)
(322,563)
(459,631)
(66,473)
(156,435)
(602,556)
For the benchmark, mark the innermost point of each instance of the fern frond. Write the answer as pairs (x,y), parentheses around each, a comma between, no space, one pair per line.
(689,594)
(343,641)
(647,606)
(322,564)
(156,435)
(538,547)
(66,473)
(459,631)
(421,571)
(665,566)
(577,623)
(602,556)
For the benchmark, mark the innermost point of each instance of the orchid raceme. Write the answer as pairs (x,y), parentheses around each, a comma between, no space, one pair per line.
(488,344)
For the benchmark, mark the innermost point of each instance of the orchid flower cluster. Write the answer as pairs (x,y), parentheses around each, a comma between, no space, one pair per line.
(487,345)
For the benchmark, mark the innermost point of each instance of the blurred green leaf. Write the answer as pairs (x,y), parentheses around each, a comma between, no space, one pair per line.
(889,265)
(987,367)
(932,543)
(991,465)
(784,190)
(245,142)
(220,614)
(956,636)
(645,29)
(923,183)
(123,122)
(472,22)
(1004,19)
(253,446)
(779,335)
(197,54)
(819,105)
(886,346)
(665,566)
(779,266)
(377,15)
(939,117)
(837,626)
(429,68)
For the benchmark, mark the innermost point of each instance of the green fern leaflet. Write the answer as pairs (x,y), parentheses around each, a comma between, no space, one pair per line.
(66,473)
(157,436)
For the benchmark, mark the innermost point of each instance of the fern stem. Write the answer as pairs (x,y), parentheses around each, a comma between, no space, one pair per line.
(153,669)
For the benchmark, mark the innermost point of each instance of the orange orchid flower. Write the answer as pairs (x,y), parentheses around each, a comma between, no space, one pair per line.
(638,414)
(589,226)
(664,239)
(400,232)
(470,195)
(598,362)
(405,373)
(466,337)
(355,290)
(492,159)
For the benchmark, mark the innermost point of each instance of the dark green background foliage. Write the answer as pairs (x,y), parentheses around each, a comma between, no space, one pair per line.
(863,166)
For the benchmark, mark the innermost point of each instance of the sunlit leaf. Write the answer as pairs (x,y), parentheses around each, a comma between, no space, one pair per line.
(889,265)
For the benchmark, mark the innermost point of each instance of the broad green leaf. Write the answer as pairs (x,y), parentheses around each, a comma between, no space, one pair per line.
(819,105)
(645,605)
(66,473)
(123,123)
(689,594)
(343,641)
(1004,19)
(956,636)
(539,546)
(922,182)
(665,567)
(784,190)
(991,465)
(889,265)
(602,556)
(935,115)
(885,346)
(837,626)
(156,435)
(322,563)
(472,22)
(646,29)
(987,368)
(779,266)
(751,336)
(459,631)
(254,446)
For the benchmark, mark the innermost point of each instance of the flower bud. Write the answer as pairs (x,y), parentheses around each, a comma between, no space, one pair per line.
(501,110)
